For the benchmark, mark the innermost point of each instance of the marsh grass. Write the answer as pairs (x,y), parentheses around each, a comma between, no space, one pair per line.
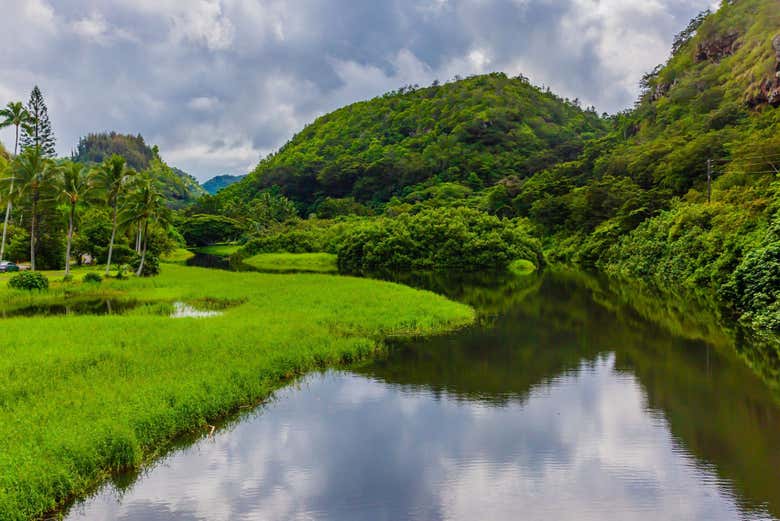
(178,256)
(223,250)
(290,262)
(82,397)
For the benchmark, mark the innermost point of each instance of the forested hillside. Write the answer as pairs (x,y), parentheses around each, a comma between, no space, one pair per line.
(680,191)
(472,132)
(217,183)
(179,187)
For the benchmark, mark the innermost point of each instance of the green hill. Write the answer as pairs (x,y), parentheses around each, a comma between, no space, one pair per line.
(628,194)
(217,183)
(179,187)
(474,131)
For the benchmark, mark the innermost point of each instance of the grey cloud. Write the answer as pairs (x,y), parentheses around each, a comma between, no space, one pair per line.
(219,83)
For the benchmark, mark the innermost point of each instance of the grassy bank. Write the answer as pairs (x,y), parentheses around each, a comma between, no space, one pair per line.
(224,250)
(84,396)
(311,262)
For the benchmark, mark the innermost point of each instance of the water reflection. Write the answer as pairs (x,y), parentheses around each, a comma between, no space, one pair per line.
(568,402)
(582,446)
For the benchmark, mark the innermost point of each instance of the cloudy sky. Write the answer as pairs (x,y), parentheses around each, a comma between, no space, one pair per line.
(217,84)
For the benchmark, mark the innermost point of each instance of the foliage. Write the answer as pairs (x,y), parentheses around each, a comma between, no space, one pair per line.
(172,376)
(474,131)
(37,131)
(92,278)
(29,280)
(217,183)
(151,265)
(179,188)
(202,230)
(96,148)
(460,239)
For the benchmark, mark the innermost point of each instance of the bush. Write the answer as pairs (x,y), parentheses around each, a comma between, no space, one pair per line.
(151,265)
(449,238)
(29,280)
(93,278)
(202,230)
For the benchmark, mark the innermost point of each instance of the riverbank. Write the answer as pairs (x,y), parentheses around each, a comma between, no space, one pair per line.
(284,262)
(85,396)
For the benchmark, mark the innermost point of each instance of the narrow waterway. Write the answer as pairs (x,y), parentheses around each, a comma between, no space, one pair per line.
(568,400)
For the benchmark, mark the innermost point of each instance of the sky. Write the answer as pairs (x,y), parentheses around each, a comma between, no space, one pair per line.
(219,84)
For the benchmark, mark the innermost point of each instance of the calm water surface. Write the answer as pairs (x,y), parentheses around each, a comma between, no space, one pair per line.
(567,402)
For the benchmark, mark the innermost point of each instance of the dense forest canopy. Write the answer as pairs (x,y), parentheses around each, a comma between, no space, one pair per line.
(473,132)
(217,183)
(681,189)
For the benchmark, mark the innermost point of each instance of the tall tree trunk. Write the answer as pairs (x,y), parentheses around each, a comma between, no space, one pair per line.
(70,238)
(8,207)
(5,225)
(138,240)
(32,228)
(143,249)
(111,244)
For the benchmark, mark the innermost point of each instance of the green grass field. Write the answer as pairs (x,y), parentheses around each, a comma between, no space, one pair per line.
(285,262)
(83,396)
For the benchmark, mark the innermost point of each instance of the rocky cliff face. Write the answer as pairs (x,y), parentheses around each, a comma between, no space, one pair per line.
(718,48)
(769,89)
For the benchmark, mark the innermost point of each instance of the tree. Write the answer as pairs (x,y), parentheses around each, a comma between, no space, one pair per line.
(74,187)
(37,132)
(112,177)
(146,206)
(31,173)
(13,114)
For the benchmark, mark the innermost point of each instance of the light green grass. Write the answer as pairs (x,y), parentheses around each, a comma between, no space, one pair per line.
(224,250)
(178,256)
(311,262)
(83,396)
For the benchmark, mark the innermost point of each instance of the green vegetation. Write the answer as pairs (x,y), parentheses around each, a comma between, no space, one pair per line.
(215,184)
(201,230)
(110,404)
(223,250)
(627,194)
(177,256)
(294,262)
(28,280)
(460,239)
(471,132)
(179,188)
(92,278)
(62,208)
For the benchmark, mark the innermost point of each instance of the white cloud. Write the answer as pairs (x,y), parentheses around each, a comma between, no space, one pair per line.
(189,74)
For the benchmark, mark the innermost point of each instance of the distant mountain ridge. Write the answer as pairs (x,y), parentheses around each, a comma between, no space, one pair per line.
(217,183)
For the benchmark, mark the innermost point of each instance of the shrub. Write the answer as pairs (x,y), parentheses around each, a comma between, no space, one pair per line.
(93,278)
(151,265)
(201,230)
(444,238)
(29,280)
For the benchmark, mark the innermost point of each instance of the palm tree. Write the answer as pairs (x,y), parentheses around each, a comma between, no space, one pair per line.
(112,176)
(13,114)
(76,185)
(146,205)
(32,172)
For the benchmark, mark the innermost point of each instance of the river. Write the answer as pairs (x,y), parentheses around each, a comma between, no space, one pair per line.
(569,400)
